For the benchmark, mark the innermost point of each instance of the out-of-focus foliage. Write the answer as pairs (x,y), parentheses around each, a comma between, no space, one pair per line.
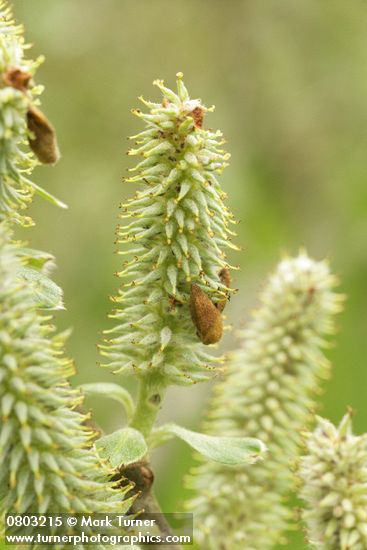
(270,387)
(290,83)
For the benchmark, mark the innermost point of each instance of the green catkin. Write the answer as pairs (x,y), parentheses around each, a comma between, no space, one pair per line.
(48,463)
(47,455)
(269,392)
(176,234)
(18,96)
(334,487)
(16,163)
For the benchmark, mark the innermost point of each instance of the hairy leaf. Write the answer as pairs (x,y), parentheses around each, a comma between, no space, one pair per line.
(112,391)
(122,447)
(46,293)
(226,450)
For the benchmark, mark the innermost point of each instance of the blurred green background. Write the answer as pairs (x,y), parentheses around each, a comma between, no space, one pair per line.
(289,81)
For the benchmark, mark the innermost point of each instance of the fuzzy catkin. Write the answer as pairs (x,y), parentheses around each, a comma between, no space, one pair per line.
(48,460)
(333,473)
(177,234)
(16,190)
(268,392)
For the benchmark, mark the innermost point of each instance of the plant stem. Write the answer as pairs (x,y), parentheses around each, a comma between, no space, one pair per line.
(152,388)
(151,506)
(141,474)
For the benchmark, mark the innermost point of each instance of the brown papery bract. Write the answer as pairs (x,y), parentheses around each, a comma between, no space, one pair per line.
(198,116)
(43,142)
(225,277)
(16,78)
(205,316)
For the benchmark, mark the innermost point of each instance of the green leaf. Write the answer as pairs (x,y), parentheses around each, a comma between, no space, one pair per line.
(45,194)
(112,391)
(35,258)
(46,293)
(122,447)
(226,450)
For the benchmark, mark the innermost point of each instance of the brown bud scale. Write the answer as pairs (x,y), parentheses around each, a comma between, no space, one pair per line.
(198,116)
(205,316)
(225,278)
(16,78)
(43,142)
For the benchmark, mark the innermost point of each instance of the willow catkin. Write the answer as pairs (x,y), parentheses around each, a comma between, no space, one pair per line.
(333,473)
(175,235)
(268,393)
